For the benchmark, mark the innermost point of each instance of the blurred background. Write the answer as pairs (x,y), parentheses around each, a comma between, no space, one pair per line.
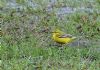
(26,27)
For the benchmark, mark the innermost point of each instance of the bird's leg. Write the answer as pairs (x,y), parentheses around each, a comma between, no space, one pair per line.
(56,45)
(61,52)
(60,45)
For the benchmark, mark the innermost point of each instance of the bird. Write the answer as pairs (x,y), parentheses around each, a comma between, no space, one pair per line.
(62,38)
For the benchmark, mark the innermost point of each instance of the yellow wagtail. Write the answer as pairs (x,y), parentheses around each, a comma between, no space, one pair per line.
(61,38)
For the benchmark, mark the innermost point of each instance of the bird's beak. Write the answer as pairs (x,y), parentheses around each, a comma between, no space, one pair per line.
(52,32)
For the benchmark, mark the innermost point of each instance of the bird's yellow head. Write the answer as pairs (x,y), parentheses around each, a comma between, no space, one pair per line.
(57,32)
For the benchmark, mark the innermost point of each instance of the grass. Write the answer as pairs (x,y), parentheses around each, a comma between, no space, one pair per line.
(50,58)
(24,45)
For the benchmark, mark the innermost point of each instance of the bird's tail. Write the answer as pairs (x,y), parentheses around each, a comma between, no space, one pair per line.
(74,38)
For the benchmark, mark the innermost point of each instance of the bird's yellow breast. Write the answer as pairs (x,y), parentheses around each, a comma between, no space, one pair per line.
(61,40)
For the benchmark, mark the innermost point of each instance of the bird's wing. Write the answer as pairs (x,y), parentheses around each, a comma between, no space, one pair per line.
(65,36)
